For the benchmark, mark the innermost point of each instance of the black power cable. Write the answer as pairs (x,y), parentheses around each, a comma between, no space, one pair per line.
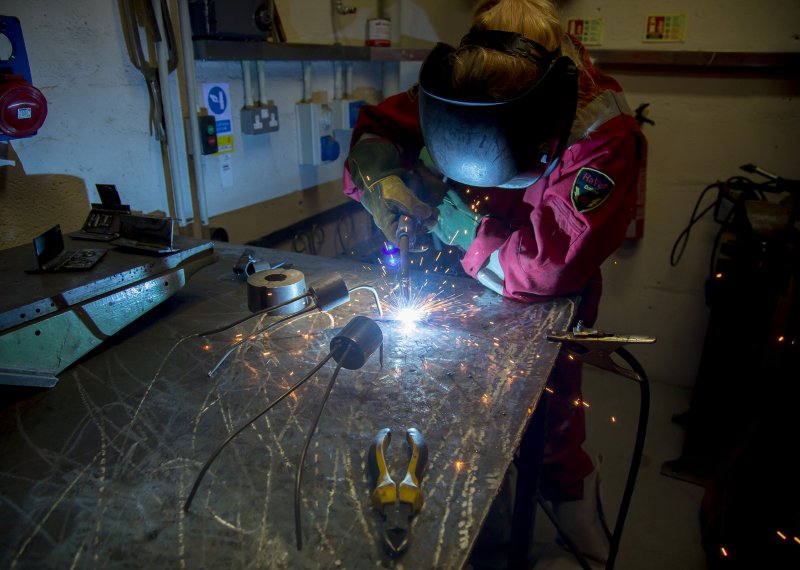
(633,471)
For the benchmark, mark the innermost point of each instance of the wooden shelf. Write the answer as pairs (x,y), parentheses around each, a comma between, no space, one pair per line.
(704,62)
(225,50)
(640,61)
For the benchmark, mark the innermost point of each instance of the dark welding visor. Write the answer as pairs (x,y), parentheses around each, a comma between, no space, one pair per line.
(509,143)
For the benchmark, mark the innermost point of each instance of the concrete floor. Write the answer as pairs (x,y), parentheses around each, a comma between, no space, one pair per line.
(662,530)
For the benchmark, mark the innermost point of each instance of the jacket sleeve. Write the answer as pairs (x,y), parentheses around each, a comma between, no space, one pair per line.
(571,228)
(395,119)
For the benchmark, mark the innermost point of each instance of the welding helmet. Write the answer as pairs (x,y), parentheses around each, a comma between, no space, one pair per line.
(509,143)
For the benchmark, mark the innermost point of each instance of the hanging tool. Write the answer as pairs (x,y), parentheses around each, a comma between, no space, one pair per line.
(138,17)
(397,503)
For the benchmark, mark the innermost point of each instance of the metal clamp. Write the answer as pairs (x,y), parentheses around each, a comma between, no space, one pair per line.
(595,347)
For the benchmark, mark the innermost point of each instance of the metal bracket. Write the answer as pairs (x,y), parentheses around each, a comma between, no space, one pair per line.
(595,347)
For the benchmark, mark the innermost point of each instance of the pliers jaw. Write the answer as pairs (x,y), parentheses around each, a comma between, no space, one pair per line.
(397,503)
(395,528)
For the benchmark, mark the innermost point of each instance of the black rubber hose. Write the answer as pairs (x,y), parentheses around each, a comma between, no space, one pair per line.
(636,458)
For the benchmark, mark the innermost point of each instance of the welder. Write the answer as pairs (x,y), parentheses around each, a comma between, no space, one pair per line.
(516,149)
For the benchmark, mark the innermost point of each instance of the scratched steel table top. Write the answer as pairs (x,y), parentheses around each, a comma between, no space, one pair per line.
(94,472)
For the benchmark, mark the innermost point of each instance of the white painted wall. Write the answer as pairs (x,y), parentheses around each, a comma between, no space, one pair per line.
(97,125)
(706,127)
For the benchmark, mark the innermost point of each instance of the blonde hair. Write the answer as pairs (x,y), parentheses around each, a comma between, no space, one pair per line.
(491,74)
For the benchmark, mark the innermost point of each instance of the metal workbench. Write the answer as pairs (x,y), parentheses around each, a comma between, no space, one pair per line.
(94,472)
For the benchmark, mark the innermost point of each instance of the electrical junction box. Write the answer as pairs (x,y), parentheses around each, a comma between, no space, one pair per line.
(208,134)
(345,112)
(260,119)
(316,143)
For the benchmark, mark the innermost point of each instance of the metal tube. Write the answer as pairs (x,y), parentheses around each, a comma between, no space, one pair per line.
(338,80)
(262,82)
(248,83)
(306,81)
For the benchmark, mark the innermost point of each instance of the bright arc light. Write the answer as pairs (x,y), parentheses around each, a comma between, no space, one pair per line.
(408,317)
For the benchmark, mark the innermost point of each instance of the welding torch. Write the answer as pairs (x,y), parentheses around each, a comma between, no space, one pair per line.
(405,234)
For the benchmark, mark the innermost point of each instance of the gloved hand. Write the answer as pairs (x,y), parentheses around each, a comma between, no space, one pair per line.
(426,184)
(388,199)
(375,168)
(457,223)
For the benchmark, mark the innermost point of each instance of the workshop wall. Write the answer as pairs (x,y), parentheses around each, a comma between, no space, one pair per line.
(98,123)
(706,126)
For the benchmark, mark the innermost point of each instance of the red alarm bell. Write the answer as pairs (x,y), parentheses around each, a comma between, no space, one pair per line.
(23,108)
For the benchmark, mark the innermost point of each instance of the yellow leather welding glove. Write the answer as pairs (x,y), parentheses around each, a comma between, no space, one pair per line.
(375,168)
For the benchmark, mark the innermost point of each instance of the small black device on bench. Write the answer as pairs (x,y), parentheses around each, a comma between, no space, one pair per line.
(51,255)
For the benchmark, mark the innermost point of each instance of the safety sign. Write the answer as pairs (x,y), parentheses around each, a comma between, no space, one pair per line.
(216,98)
(665,28)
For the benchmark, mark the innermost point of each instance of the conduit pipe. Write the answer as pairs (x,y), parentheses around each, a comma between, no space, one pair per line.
(248,84)
(307,93)
(194,107)
(262,82)
(338,80)
(178,204)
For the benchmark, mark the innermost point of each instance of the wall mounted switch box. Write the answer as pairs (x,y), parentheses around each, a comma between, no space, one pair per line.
(260,119)
(345,112)
(208,134)
(316,143)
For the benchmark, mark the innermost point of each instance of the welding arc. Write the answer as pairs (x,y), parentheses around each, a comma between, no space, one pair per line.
(251,315)
(299,475)
(241,428)
(258,332)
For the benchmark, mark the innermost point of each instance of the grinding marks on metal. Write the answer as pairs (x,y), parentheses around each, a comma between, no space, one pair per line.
(361,336)
(273,287)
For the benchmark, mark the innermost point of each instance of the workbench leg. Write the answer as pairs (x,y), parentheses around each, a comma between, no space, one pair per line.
(526,496)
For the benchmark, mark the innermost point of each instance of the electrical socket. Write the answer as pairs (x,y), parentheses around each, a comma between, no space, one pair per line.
(260,119)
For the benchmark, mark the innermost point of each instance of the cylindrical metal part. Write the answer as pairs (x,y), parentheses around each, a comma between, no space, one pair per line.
(272,287)
(355,344)
(330,292)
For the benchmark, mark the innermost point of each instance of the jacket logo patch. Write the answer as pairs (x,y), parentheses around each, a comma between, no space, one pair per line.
(590,189)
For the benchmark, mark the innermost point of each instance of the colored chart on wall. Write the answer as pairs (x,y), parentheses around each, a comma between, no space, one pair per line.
(588,31)
(665,28)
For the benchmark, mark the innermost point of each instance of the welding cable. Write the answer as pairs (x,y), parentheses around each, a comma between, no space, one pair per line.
(260,331)
(279,321)
(255,314)
(299,475)
(374,292)
(285,303)
(636,457)
(633,471)
(564,536)
(683,238)
(241,428)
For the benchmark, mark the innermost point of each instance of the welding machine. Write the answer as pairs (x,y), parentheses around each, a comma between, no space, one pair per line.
(23,108)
